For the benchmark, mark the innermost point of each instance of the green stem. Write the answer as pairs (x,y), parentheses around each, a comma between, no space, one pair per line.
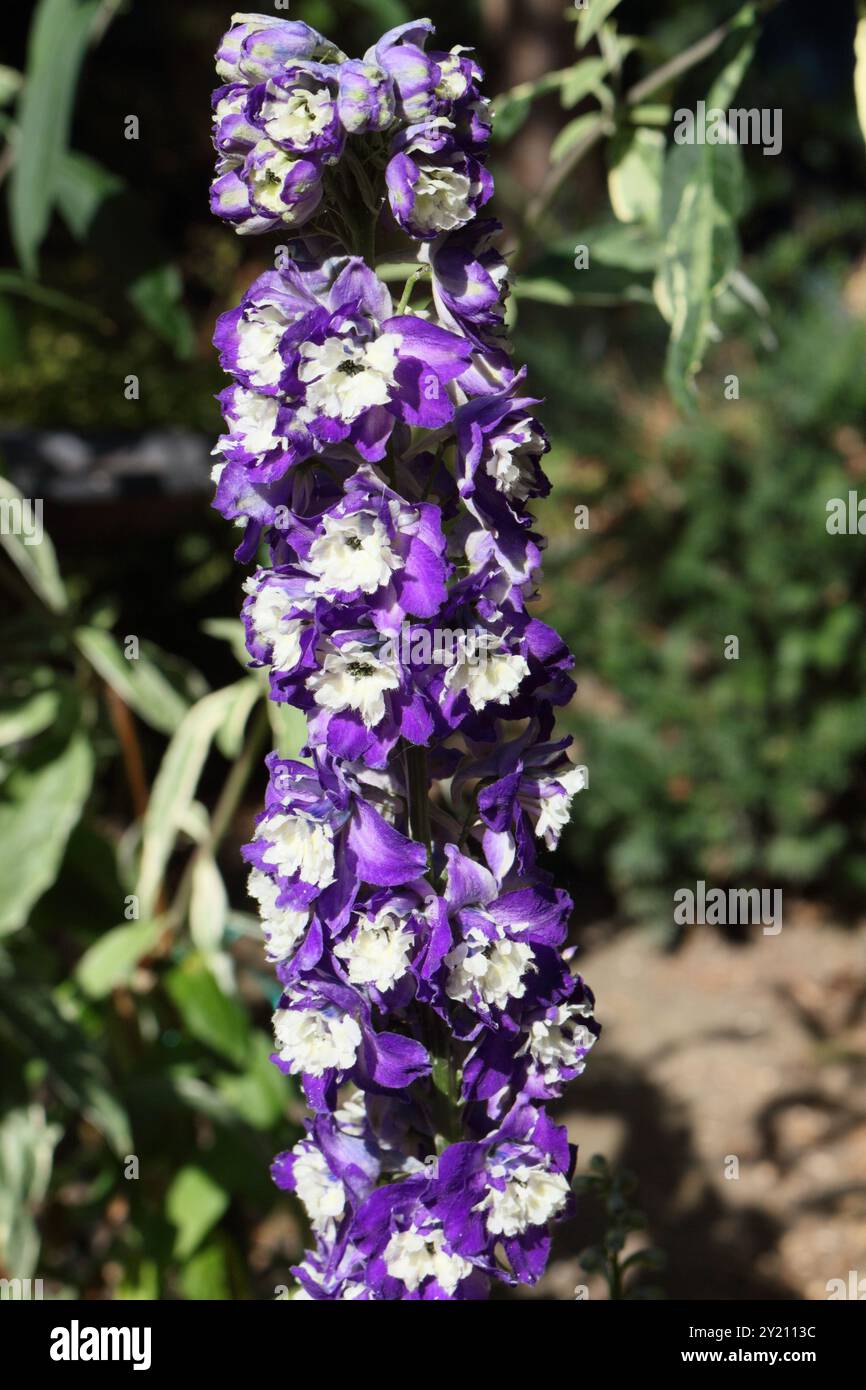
(444,1089)
(469,818)
(418,779)
(416,275)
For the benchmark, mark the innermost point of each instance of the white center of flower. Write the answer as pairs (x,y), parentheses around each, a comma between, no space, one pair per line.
(232,105)
(352,1114)
(268,173)
(255,421)
(353,678)
(442,199)
(378,952)
(453,83)
(414,1256)
(485,673)
(555,806)
(282,925)
(313,1042)
(298,845)
(532,1196)
(271,625)
(560,1042)
(354,553)
(320,1191)
(490,970)
(260,332)
(510,461)
(296,118)
(344,377)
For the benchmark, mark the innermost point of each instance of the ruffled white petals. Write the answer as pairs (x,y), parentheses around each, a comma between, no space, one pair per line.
(378,952)
(531,1196)
(314,1042)
(493,971)
(354,553)
(344,377)
(298,845)
(352,677)
(414,1256)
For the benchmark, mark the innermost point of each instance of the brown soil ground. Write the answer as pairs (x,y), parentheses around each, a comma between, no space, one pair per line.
(756,1052)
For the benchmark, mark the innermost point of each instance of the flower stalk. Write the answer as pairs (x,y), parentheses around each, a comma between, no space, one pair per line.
(381,461)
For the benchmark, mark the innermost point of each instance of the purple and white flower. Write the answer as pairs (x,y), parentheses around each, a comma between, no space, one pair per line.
(382,462)
(433,185)
(258,46)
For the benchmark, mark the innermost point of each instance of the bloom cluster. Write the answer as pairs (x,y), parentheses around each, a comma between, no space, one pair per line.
(381,461)
(292,100)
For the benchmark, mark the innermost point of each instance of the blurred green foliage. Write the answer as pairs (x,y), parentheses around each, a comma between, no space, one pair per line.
(140,1109)
(737,771)
(625,1272)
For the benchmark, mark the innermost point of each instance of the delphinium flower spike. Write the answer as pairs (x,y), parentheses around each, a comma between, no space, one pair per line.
(381,459)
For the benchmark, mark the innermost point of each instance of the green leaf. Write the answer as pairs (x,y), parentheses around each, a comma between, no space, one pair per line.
(111,960)
(628,247)
(209,904)
(511,109)
(259,1096)
(741,46)
(26,720)
(635,176)
(139,682)
(206,1276)
(572,134)
(509,114)
(208,1015)
(11,81)
(59,35)
(230,737)
(158,296)
(39,811)
(701,200)
(140,1282)
(544,291)
(650,113)
(83,186)
(591,18)
(584,78)
(193,1204)
(702,197)
(860,65)
(37,562)
(600,284)
(175,786)
(289,726)
(30,1020)
(395,270)
(27,1144)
